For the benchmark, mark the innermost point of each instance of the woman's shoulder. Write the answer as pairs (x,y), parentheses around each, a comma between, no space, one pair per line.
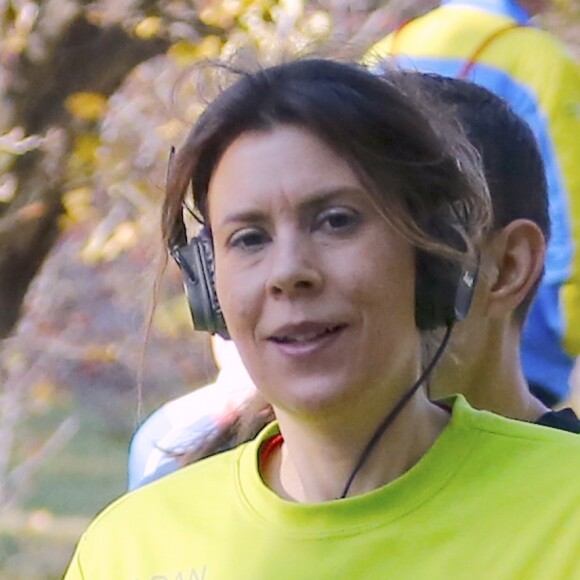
(519,463)
(195,488)
(518,445)
(205,481)
(510,428)
(516,442)
(183,504)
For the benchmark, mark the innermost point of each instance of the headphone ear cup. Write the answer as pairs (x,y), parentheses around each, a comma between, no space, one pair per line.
(432,293)
(196,261)
(443,291)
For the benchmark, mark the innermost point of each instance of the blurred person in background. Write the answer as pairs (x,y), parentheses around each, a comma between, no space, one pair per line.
(496,44)
(185,422)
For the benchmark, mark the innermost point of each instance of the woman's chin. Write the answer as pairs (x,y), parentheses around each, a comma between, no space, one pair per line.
(316,398)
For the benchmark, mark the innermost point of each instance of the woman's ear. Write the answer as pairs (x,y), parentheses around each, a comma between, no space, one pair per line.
(516,253)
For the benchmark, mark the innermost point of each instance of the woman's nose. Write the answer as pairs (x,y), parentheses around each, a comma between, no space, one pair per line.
(294,268)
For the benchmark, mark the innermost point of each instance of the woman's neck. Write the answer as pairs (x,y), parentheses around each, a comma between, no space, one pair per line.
(314,464)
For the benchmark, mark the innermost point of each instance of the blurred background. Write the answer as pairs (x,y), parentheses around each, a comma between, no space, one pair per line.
(93,96)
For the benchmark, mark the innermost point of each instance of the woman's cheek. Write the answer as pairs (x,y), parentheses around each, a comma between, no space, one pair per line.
(234,294)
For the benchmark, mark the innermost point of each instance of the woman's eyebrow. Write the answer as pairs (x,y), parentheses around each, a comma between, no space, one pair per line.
(322,197)
(244,216)
(312,201)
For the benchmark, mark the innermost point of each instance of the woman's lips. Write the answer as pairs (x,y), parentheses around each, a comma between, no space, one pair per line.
(306,338)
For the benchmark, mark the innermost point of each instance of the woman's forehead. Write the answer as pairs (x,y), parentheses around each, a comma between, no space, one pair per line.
(289,162)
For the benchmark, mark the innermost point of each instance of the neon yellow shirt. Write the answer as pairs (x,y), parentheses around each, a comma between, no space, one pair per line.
(479,504)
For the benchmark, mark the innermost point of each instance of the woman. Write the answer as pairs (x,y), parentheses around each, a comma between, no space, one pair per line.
(345,226)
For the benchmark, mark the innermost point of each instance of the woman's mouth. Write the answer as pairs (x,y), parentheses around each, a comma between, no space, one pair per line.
(302,337)
(306,338)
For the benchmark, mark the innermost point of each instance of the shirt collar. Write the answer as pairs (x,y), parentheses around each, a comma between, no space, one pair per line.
(509,8)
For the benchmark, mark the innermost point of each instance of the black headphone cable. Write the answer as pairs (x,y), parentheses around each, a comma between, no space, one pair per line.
(390,418)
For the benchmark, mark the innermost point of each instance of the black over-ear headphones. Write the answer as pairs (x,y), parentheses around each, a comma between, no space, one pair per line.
(196,261)
(443,289)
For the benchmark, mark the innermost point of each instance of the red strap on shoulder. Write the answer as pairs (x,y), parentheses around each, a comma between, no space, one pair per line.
(472,60)
(396,33)
(269,446)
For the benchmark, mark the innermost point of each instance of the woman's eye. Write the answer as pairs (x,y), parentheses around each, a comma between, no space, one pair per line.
(337,220)
(248,239)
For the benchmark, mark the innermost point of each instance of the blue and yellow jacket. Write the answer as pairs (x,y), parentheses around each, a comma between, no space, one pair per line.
(493,43)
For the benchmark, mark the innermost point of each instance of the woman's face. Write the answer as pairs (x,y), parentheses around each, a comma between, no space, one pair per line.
(317,291)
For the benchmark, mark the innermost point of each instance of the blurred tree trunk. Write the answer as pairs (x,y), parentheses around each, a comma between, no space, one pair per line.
(85,57)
